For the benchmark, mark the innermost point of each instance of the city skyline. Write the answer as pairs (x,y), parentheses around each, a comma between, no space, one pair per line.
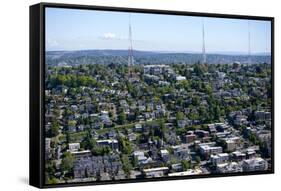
(109,30)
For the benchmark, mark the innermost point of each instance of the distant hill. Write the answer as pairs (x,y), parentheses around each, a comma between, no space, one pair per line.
(145,57)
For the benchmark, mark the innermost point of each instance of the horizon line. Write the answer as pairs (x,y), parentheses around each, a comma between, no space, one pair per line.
(167,52)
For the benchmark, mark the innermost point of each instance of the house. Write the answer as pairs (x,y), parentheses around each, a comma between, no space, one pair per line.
(104,176)
(120,175)
(231,167)
(207,149)
(155,172)
(262,116)
(47,148)
(99,167)
(47,127)
(251,153)
(112,143)
(201,133)
(254,164)
(240,120)
(138,127)
(111,134)
(73,147)
(212,128)
(72,128)
(135,174)
(176,167)
(82,154)
(181,123)
(164,155)
(132,137)
(81,128)
(156,69)
(181,152)
(180,78)
(219,158)
(239,156)
(139,156)
(221,127)
(187,173)
(230,145)
(151,78)
(190,138)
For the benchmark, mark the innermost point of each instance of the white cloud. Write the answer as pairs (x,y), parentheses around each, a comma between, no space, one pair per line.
(109,35)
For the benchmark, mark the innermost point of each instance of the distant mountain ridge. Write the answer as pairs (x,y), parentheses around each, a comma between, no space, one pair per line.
(146,57)
(107,52)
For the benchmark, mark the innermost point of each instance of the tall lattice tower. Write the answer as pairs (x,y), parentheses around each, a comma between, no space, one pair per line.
(130,49)
(204,57)
(249,43)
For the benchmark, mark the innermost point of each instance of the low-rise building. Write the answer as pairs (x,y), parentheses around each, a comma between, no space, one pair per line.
(239,156)
(186,173)
(254,164)
(165,155)
(73,147)
(47,148)
(231,167)
(219,158)
(155,172)
(112,143)
(207,149)
(262,115)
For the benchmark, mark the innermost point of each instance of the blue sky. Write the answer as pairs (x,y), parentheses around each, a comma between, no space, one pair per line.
(74,29)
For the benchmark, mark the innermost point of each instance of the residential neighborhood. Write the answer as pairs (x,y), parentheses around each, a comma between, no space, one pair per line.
(113,121)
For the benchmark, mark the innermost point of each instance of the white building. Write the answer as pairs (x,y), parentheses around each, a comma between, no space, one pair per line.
(180,78)
(164,154)
(254,164)
(112,143)
(155,172)
(186,173)
(231,167)
(207,149)
(219,158)
(73,147)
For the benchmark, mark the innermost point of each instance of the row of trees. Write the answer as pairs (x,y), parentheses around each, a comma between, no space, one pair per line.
(72,80)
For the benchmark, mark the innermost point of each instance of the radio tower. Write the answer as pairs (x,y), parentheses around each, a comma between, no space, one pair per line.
(249,43)
(130,49)
(203,45)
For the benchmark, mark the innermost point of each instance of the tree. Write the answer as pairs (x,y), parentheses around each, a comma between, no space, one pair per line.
(54,130)
(195,101)
(217,113)
(52,180)
(163,128)
(198,159)
(199,69)
(185,164)
(50,168)
(67,162)
(67,137)
(125,145)
(100,150)
(127,165)
(122,117)
(180,116)
(88,142)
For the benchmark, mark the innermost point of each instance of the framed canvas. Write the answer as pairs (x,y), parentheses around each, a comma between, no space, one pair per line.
(123,95)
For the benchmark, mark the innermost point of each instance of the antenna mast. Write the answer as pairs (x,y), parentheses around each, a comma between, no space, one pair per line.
(203,45)
(130,49)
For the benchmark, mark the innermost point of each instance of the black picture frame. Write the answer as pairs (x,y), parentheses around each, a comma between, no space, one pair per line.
(36,99)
